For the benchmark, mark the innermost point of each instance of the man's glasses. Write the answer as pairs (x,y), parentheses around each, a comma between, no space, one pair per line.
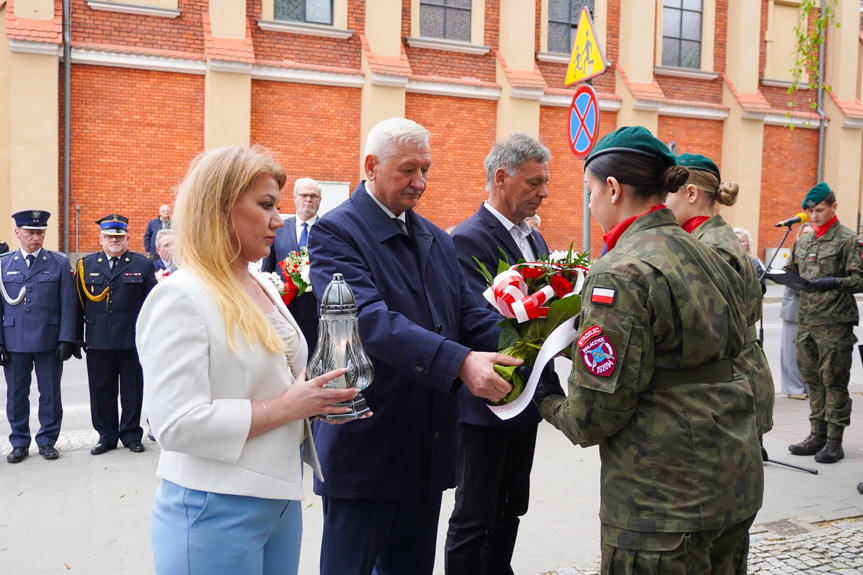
(309,196)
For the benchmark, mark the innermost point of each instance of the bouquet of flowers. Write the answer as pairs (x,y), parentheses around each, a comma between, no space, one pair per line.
(162,274)
(295,270)
(283,288)
(535,298)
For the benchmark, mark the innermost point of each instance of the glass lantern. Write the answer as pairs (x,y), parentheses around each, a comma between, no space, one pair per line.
(339,346)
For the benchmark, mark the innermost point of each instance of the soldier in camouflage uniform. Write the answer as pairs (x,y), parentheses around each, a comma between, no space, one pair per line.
(694,205)
(830,260)
(653,382)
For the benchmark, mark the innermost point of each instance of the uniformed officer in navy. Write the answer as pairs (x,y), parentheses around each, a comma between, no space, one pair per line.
(112,285)
(38,308)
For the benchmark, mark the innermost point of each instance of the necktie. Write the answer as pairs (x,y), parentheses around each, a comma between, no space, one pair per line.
(30,259)
(112,263)
(304,236)
(402,225)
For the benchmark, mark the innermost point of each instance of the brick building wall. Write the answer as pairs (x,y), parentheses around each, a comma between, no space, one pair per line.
(134,134)
(462,132)
(312,131)
(789,170)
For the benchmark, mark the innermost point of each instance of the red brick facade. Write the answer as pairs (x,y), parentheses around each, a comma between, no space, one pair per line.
(134,131)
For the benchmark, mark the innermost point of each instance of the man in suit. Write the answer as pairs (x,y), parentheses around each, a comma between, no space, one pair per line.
(496,456)
(163,222)
(292,238)
(165,248)
(420,325)
(112,285)
(38,309)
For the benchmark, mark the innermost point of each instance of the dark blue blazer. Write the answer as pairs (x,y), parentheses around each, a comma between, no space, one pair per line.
(111,322)
(153,226)
(47,314)
(305,307)
(417,321)
(158,265)
(483,235)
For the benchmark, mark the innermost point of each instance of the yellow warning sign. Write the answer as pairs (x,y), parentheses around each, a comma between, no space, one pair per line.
(587,59)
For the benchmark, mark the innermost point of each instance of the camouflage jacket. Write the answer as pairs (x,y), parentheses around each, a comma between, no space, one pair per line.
(652,385)
(835,254)
(751,363)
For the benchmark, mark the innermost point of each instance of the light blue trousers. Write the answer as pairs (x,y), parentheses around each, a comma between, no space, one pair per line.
(203,533)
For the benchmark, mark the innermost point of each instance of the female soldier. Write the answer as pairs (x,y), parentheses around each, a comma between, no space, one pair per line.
(694,205)
(652,381)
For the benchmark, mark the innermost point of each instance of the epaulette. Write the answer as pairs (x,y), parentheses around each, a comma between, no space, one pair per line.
(137,255)
(59,253)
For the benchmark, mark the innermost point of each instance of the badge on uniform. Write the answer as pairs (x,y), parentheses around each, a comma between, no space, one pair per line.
(12,273)
(601,295)
(598,355)
(813,257)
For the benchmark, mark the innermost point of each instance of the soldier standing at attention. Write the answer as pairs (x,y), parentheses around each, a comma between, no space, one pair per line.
(112,285)
(694,206)
(830,260)
(652,381)
(38,310)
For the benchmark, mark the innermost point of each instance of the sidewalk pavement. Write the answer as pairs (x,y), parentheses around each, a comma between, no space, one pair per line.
(90,514)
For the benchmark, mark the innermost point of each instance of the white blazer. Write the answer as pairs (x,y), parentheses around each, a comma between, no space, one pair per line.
(199,396)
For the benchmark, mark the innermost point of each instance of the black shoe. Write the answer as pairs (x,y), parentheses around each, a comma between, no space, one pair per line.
(860,487)
(831,453)
(48,452)
(136,447)
(150,435)
(809,446)
(101,448)
(18,454)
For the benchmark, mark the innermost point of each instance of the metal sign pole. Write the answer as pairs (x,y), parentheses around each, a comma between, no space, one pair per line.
(586,226)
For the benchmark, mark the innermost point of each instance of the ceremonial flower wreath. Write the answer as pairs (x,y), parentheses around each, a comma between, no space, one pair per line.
(535,299)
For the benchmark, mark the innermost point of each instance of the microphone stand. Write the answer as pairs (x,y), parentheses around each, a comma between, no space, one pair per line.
(764,455)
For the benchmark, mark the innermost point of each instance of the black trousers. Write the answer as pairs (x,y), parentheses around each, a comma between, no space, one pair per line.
(379,536)
(493,491)
(110,371)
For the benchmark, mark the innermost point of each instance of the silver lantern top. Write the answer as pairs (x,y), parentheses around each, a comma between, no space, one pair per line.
(338,299)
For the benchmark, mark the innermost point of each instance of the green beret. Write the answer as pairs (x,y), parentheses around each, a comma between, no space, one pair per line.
(632,140)
(698,162)
(816,195)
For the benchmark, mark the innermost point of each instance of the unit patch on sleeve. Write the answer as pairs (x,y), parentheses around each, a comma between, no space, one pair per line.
(599,356)
(601,295)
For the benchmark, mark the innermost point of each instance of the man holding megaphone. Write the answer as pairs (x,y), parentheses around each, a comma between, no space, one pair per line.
(830,259)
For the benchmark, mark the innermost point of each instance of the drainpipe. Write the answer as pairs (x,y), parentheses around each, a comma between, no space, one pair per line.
(822,122)
(67,121)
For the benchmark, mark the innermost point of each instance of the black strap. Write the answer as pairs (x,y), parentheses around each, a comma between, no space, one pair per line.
(715,372)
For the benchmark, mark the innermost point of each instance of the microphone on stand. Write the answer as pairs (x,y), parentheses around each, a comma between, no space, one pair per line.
(799,218)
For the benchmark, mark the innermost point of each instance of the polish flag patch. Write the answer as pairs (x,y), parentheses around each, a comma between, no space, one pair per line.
(601,295)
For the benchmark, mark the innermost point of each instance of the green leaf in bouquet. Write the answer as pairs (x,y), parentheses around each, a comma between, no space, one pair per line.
(302,287)
(483,271)
(559,311)
(509,335)
(505,371)
(533,331)
(518,379)
(502,266)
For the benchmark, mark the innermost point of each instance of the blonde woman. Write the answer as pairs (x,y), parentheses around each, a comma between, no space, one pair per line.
(694,206)
(223,363)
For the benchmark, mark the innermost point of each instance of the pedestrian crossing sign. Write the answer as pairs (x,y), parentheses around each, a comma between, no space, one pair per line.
(587,59)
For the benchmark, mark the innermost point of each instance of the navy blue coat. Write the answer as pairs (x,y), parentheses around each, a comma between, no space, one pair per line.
(305,307)
(417,321)
(47,314)
(153,226)
(111,322)
(483,235)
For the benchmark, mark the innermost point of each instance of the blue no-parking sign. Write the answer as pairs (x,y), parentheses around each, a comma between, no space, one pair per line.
(583,121)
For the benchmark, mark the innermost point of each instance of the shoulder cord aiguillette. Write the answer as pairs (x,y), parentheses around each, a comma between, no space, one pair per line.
(8,299)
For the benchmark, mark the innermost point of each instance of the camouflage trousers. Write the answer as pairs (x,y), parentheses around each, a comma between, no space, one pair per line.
(715,552)
(824,355)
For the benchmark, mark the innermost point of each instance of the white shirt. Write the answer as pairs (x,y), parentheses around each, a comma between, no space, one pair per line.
(519,233)
(309,222)
(24,255)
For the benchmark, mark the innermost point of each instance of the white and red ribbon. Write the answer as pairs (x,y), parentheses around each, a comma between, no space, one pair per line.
(509,295)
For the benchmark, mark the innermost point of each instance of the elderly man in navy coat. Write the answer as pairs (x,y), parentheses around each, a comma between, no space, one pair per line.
(112,285)
(420,324)
(497,456)
(39,309)
(291,238)
(163,222)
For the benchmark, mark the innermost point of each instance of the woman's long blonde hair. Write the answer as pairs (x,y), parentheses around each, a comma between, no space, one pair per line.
(206,241)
